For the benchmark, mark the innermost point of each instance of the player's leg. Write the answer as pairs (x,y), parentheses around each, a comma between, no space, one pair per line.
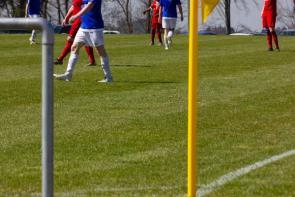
(96,39)
(78,43)
(67,76)
(70,39)
(105,64)
(165,27)
(66,50)
(265,26)
(269,39)
(275,39)
(273,32)
(89,51)
(172,25)
(169,36)
(159,33)
(73,57)
(33,37)
(34,33)
(153,33)
(166,39)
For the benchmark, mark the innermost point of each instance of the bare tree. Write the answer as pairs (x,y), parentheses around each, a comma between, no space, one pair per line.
(227,16)
(53,10)
(286,14)
(44,7)
(147,4)
(10,6)
(59,12)
(66,6)
(126,8)
(20,8)
(4,6)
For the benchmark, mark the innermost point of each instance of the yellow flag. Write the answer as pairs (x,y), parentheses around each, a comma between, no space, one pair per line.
(207,7)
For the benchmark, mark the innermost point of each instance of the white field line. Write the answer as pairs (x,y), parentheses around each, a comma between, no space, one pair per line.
(204,190)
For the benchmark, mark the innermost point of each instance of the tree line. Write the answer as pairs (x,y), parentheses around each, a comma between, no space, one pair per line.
(130,14)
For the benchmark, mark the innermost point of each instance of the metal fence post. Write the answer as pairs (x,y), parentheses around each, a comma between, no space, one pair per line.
(47,91)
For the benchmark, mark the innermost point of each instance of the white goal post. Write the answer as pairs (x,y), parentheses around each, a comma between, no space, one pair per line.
(47,91)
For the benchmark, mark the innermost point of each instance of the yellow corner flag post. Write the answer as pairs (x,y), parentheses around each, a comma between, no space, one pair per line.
(192,96)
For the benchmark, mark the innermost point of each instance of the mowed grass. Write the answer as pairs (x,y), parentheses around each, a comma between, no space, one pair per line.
(129,138)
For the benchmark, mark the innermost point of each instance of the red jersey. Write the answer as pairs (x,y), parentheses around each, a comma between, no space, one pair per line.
(269,8)
(77,6)
(155,6)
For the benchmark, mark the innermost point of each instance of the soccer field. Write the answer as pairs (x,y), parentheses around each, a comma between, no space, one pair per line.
(129,138)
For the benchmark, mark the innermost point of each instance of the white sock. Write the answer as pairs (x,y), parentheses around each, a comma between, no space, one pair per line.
(170,34)
(165,40)
(33,35)
(71,64)
(105,64)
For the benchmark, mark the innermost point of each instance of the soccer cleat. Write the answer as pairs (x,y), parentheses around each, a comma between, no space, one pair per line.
(57,62)
(91,64)
(278,49)
(160,44)
(106,80)
(151,44)
(63,77)
(166,47)
(270,49)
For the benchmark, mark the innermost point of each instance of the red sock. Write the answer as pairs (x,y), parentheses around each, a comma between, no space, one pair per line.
(66,50)
(89,51)
(269,40)
(159,34)
(153,35)
(275,39)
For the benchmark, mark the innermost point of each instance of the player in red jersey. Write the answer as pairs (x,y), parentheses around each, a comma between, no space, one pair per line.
(155,25)
(74,9)
(269,15)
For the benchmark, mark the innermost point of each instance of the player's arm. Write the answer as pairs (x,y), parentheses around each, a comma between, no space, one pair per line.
(69,14)
(88,7)
(145,11)
(181,12)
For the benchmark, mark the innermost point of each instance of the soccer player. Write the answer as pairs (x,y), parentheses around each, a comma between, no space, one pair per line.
(90,33)
(269,14)
(74,9)
(155,25)
(168,15)
(33,11)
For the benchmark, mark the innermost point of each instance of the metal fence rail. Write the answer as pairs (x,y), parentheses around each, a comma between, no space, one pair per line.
(47,91)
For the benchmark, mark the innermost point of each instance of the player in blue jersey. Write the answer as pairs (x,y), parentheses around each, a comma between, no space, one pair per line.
(33,11)
(90,33)
(168,17)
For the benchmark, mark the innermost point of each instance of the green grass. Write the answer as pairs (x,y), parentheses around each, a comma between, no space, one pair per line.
(129,138)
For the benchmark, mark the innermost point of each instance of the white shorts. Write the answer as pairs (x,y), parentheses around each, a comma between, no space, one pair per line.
(34,16)
(169,23)
(90,37)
